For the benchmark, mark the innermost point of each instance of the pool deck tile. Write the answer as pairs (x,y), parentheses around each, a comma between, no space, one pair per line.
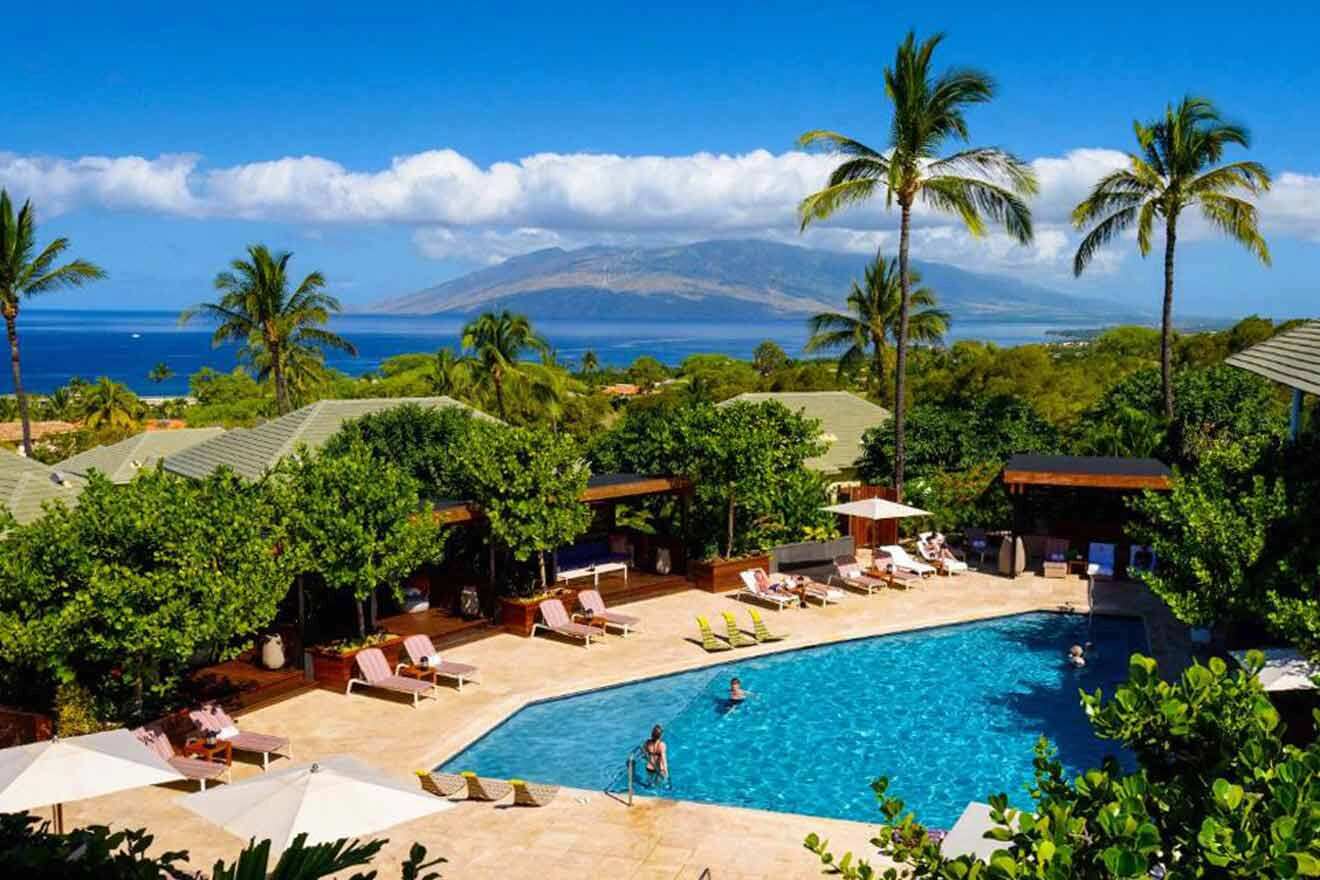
(588,834)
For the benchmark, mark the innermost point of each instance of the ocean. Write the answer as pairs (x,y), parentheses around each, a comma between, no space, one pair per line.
(58,344)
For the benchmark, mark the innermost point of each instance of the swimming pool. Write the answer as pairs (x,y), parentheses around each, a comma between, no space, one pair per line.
(948,714)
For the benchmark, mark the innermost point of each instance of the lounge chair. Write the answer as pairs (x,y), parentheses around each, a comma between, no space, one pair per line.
(761,590)
(213,719)
(902,560)
(933,550)
(735,635)
(591,601)
(441,784)
(1100,561)
(709,640)
(895,576)
(848,571)
(532,794)
(420,647)
(760,631)
(485,789)
(376,673)
(1055,564)
(556,620)
(822,593)
(193,768)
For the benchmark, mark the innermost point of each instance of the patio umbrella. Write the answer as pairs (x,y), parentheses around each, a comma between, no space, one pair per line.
(876,508)
(336,797)
(55,771)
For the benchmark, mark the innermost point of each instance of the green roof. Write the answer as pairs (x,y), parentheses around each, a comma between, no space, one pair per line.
(844,418)
(251,452)
(26,484)
(1291,358)
(122,461)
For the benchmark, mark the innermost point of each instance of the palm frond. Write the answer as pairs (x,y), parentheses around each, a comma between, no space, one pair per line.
(821,205)
(1237,219)
(974,200)
(1104,232)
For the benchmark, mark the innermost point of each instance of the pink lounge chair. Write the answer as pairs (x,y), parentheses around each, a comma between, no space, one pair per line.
(193,768)
(592,602)
(899,577)
(420,647)
(376,673)
(213,719)
(556,620)
(848,571)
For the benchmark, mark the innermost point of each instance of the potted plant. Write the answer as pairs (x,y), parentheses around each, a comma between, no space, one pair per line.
(334,663)
(719,575)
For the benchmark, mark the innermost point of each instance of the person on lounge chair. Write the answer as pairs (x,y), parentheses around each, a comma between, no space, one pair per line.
(657,753)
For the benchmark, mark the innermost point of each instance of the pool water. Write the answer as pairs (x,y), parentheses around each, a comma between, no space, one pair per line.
(948,714)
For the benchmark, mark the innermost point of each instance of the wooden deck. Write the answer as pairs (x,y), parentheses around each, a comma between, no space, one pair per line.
(242,684)
(445,629)
(641,585)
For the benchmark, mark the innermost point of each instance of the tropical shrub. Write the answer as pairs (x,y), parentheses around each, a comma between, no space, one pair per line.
(419,440)
(1217,793)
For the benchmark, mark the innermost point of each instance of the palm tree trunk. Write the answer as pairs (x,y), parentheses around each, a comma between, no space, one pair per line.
(499,393)
(277,373)
(1166,329)
(878,366)
(900,364)
(728,546)
(11,326)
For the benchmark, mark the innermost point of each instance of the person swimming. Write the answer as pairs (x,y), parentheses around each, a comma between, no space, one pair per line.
(1077,656)
(736,692)
(657,753)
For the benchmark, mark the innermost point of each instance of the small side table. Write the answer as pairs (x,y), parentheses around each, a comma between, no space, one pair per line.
(422,672)
(222,752)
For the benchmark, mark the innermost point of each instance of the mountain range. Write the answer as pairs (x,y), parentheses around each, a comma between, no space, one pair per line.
(722,280)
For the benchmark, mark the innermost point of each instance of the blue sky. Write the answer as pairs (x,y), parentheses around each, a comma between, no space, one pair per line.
(164,140)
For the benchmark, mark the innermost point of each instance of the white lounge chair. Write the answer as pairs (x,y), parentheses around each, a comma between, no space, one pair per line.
(556,620)
(848,571)
(932,549)
(901,559)
(822,593)
(761,590)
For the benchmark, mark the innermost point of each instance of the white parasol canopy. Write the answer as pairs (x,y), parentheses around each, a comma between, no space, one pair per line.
(56,771)
(336,797)
(876,508)
(967,836)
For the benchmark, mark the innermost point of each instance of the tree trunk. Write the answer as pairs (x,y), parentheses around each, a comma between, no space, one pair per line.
(499,392)
(540,561)
(900,363)
(11,326)
(361,622)
(728,546)
(878,367)
(277,373)
(1166,329)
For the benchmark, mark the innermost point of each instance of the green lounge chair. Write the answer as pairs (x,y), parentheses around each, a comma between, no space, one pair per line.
(735,636)
(759,629)
(708,639)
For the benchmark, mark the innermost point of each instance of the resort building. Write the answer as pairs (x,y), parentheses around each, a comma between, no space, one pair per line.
(122,461)
(844,418)
(251,452)
(25,485)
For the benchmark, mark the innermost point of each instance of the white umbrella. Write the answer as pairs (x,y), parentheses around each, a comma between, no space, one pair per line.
(967,836)
(336,797)
(876,508)
(55,771)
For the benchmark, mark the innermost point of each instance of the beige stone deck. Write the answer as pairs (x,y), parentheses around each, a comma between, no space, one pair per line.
(587,834)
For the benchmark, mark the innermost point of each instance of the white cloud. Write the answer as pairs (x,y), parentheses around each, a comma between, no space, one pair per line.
(460,210)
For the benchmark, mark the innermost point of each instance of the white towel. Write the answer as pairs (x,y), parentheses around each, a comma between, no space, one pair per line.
(433,660)
(229,731)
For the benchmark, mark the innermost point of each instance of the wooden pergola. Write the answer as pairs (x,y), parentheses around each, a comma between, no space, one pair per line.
(1085,471)
(601,489)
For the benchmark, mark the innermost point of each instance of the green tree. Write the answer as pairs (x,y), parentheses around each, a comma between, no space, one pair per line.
(160,373)
(873,319)
(358,522)
(108,404)
(527,482)
(1177,168)
(1217,795)
(647,372)
(278,329)
(497,342)
(769,357)
(120,592)
(590,362)
(25,273)
(975,184)
(422,441)
(451,374)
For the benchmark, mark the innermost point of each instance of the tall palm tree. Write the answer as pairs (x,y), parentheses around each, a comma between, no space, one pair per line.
(451,374)
(258,310)
(23,274)
(160,373)
(872,320)
(108,404)
(976,184)
(1174,170)
(497,342)
(590,362)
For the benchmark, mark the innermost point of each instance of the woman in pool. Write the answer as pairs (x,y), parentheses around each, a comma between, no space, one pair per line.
(657,759)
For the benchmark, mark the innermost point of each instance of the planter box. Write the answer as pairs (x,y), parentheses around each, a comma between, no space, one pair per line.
(332,670)
(722,575)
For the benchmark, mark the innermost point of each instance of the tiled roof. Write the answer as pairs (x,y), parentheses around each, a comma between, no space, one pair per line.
(1291,358)
(251,452)
(844,418)
(121,461)
(26,484)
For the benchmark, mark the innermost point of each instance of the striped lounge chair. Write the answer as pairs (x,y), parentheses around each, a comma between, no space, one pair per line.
(593,604)
(376,674)
(420,648)
(213,719)
(556,620)
(200,769)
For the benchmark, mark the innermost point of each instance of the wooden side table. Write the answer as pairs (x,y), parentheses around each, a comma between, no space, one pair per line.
(222,752)
(422,672)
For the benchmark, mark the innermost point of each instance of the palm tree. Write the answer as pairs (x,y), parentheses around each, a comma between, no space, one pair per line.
(160,373)
(590,363)
(1175,169)
(302,365)
(497,342)
(108,404)
(451,374)
(24,275)
(872,320)
(976,184)
(257,309)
